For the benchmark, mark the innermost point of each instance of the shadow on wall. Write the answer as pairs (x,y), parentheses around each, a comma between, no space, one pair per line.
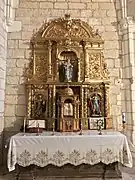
(15,122)
(19,106)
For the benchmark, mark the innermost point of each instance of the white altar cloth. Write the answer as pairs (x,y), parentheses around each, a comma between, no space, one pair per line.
(62,148)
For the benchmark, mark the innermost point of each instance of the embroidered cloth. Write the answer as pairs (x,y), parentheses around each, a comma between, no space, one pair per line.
(62,148)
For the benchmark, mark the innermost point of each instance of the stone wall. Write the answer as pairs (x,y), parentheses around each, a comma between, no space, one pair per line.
(3,50)
(31,14)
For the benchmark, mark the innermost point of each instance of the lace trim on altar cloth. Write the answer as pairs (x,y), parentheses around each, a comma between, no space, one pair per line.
(91,157)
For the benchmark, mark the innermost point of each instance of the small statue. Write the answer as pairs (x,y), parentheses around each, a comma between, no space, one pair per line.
(40,107)
(96,105)
(68,69)
(68,109)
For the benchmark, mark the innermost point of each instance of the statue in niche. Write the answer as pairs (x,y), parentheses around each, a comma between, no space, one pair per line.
(68,71)
(68,125)
(40,107)
(96,105)
(68,109)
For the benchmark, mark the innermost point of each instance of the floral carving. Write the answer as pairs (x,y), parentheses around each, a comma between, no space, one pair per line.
(67,27)
(77,32)
(41,67)
(98,68)
(95,66)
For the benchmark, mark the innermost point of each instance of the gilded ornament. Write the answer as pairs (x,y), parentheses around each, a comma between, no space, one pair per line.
(66,54)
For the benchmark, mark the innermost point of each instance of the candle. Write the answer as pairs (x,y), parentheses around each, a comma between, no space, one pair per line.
(80,129)
(53,126)
(53,130)
(123,117)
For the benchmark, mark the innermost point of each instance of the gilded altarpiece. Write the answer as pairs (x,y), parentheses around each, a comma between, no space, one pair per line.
(67,80)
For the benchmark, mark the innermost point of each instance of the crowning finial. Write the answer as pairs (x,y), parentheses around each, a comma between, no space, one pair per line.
(67,16)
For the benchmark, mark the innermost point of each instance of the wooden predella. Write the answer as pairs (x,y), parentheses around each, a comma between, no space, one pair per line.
(67,79)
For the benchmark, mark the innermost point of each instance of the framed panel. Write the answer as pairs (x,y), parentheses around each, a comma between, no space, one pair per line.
(93,122)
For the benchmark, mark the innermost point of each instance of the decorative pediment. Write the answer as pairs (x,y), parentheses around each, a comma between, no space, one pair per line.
(68,28)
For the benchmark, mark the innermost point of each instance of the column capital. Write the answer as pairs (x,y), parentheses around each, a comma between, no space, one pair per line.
(126,23)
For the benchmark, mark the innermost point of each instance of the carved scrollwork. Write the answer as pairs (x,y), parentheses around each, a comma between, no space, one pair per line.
(97,68)
(96,87)
(41,69)
(67,27)
(68,43)
(76,32)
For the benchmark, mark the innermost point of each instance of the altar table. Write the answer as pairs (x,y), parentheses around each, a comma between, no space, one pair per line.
(68,148)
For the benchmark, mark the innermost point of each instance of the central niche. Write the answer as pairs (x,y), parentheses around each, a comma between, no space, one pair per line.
(68,66)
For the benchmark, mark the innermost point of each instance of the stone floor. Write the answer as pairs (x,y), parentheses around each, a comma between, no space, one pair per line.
(128,174)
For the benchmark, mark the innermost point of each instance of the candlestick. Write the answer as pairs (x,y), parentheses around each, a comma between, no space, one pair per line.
(100,130)
(24,124)
(53,129)
(38,129)
(80,130)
